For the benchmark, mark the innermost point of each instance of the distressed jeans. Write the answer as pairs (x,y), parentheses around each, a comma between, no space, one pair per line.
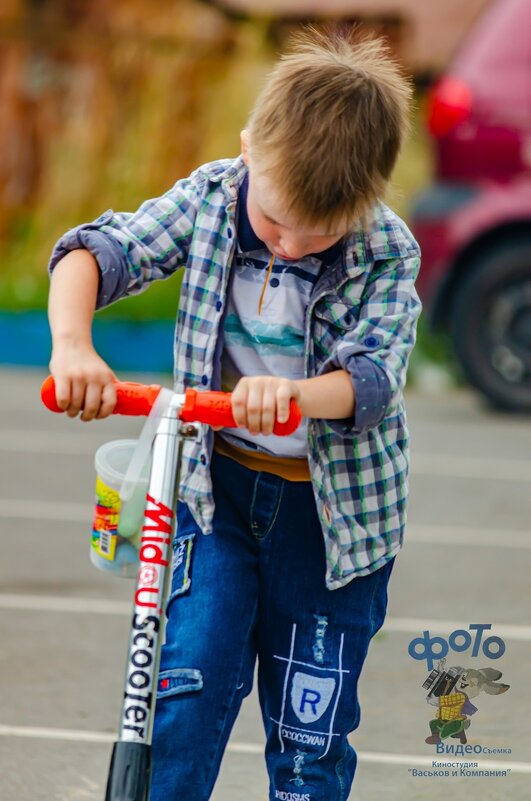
(255,589)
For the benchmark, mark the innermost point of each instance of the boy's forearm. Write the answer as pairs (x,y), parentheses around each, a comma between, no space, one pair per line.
(330,396)
(72,299)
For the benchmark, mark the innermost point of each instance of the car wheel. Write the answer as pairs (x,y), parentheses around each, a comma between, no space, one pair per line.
(491,324)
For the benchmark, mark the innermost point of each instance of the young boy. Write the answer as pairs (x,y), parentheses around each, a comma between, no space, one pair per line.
(298,283)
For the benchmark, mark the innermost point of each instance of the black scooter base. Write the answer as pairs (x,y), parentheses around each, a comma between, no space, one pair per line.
(129,772)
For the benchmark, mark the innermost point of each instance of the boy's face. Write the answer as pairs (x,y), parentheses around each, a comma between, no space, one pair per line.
(283,237)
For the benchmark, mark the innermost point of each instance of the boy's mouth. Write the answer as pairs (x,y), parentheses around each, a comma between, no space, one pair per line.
(282,255)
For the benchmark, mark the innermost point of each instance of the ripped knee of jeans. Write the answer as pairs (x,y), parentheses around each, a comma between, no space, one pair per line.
(181,566)
(178,681)
(318,645)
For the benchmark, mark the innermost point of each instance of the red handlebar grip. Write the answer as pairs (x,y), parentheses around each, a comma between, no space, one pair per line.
(132,398)
(215,409)
(135,399)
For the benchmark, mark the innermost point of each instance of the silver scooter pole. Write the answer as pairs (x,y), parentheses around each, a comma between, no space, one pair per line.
(130,769)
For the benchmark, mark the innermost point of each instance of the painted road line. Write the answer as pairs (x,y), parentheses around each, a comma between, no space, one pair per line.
(480,467)
(423,464)
(94,606)
(46,442)
(374,757)
(432,535)
(72,735)
(59,511)
(77,606)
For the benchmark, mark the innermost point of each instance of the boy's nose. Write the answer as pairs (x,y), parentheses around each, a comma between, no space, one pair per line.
(292,249)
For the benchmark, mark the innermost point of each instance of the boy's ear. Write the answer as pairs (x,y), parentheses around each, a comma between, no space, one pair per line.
(244,141)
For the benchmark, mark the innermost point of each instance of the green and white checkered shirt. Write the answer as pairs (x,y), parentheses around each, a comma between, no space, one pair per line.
(364,305)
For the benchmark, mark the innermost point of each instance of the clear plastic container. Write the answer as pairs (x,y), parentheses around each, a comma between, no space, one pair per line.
(117,526)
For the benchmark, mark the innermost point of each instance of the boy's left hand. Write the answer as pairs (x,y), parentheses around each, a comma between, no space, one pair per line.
(258,401)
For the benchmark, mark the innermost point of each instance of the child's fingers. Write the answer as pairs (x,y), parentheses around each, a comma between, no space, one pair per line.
(239,404)
(77,397)
(63,392)
(269,407)
(92,402)
(108,400)
(254,409)
(283,398)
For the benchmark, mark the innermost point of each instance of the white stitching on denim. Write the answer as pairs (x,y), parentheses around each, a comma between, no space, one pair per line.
(285,689)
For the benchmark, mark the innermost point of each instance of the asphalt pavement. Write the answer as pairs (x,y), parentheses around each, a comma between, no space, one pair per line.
(466,561)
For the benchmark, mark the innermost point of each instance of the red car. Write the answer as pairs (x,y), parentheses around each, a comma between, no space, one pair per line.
(474,222)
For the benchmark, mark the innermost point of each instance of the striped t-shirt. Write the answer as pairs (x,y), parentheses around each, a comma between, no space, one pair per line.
(270,342)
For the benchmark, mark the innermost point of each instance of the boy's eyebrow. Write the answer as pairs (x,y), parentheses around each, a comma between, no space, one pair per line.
(275,222)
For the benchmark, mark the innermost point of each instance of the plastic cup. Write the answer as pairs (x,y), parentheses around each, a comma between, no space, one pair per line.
(116,527)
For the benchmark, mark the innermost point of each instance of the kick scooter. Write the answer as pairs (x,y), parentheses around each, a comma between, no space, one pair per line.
(130,767)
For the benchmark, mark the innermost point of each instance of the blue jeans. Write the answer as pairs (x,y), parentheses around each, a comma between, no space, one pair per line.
(256,588)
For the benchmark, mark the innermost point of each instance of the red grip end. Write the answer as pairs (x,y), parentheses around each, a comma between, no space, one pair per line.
(48,394)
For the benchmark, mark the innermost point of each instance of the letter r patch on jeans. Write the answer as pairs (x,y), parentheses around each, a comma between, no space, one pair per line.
(311,695)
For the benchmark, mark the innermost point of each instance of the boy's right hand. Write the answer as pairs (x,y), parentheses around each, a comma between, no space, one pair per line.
(83,381)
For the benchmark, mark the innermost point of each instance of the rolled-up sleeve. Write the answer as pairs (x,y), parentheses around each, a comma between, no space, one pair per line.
(112,262)
(372,391)
(376,350)
(134,249)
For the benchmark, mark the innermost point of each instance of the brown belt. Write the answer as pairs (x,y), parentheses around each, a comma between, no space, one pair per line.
(292,469)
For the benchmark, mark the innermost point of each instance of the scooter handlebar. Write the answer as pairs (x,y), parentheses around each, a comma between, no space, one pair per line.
(215,408)
(212,408)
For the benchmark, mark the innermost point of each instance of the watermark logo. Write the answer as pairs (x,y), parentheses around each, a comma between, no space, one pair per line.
(452,689)
(430,648)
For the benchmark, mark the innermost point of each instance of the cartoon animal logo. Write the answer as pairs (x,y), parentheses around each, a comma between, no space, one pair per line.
(450,691)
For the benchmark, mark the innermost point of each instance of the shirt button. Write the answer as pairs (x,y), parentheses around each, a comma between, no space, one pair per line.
(203,459)
(219,305)
(274,282)
(229,233)
(204,380)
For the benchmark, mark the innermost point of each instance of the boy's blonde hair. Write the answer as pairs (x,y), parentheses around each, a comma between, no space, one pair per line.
(329,124)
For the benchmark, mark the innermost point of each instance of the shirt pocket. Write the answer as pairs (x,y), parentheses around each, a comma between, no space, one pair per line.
(340,313)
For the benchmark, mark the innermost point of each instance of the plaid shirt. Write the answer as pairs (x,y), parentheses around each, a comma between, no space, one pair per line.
(365,304)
